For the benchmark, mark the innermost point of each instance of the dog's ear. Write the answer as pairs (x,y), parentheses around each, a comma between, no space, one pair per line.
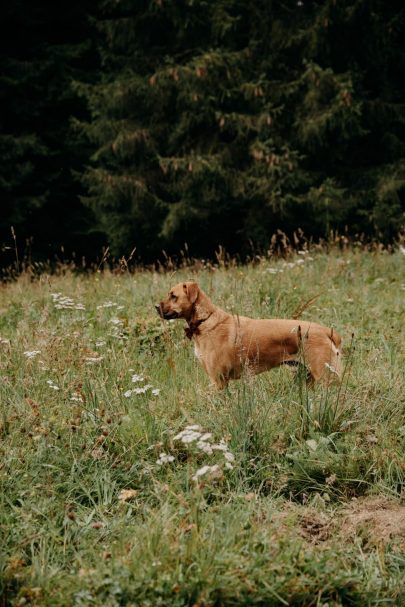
(192,290)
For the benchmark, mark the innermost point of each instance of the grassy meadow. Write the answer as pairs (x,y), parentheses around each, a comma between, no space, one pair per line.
(126,479)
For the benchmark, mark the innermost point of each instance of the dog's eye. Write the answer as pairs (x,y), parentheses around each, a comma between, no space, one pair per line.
(173,296)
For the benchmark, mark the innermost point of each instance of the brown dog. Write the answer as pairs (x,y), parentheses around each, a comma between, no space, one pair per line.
(226,344)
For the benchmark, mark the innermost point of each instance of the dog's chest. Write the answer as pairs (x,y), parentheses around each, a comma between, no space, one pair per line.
(197,352)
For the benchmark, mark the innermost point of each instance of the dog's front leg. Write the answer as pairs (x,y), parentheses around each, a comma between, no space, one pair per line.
(219,380)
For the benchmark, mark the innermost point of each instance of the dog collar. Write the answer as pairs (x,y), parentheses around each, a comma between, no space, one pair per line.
(194,327)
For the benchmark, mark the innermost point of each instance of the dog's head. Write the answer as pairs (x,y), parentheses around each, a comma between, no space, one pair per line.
(179,302)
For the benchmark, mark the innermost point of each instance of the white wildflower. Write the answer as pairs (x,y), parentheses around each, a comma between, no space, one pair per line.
(194,427)
(228,466)
(214,470)
(93,359)
(32,353)
(190,437)
(116,321)
(229,456)
(100,344)
(76,397)
(52,385)
(137,378)
(222,446)
(128,393)
(156,392)
(201,471)
(107,304)
(203,446)
(66,303)
(164,459)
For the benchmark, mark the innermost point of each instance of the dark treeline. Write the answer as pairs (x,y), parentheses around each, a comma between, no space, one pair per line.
(151,123)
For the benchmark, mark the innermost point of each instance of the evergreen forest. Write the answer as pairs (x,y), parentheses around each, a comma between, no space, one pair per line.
(148,125)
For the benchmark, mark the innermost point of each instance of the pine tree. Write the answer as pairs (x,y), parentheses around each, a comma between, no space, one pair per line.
(43,48)
(212,122)
(217,122)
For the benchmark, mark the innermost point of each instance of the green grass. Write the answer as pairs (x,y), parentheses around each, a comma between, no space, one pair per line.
(270,531)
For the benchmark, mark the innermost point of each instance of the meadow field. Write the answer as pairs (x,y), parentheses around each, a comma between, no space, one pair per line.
(126,479)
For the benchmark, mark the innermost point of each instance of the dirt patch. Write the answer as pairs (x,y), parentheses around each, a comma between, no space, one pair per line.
(371,519)
(374,520)
(315,527)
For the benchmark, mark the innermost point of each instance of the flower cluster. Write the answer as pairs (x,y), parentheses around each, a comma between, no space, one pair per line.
(195,438)
(62,302)
(52,384)
(117,329)
(164,458)
(213,471)
(90,360)
(76,397)
(116,321)
(110,304)
(142,389)
(202,440)
(136,378)
(290,264)
(32,353)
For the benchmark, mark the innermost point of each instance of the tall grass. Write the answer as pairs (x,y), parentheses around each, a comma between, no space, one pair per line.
(89,517)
